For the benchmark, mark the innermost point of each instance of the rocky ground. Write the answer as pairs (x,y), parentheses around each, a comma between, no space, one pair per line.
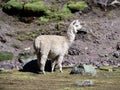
(96,45)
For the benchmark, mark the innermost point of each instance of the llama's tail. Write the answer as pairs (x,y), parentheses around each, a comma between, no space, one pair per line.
(37,46)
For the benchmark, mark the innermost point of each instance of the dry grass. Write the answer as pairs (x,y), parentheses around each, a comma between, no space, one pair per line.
(15,80)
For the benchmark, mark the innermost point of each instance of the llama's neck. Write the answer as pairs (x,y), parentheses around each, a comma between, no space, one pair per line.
(70,35)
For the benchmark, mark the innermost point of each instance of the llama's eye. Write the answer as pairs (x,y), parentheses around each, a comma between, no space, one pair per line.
(76,25)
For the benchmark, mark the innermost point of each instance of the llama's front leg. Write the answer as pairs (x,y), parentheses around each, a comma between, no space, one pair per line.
(60,59)
(42,63)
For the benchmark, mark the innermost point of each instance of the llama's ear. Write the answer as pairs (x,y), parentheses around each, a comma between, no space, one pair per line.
(74,22)
(77,20)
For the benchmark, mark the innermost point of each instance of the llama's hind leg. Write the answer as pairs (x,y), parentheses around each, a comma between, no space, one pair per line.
(60,59)
(42,63)
(53,65)
(38,59)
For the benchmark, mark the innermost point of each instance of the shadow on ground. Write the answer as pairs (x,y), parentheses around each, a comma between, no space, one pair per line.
(32,66)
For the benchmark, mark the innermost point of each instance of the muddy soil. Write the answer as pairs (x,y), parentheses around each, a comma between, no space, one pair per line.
(96,46)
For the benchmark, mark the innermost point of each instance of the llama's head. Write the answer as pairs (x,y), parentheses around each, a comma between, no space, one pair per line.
(76,26)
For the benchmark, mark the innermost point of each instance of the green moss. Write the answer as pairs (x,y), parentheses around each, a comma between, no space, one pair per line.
(44,19)
(77,6)
(27,35)
(16,46)
(38,7)
(55,16)
(13,4)
(26,56)
(1,5)
(65,9)
(21,38)
(54,8)
(5,55)
(106,68)
(58,26)
(31,1)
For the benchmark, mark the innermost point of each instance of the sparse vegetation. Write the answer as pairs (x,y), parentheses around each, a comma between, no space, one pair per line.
(58,26)
(13,5)
(46,14)
(4,55)
(77,6)
(16,80)
(27,35)
(39,8)
(16,46)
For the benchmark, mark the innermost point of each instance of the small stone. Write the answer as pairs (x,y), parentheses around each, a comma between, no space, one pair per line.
(1,69)
(116,54)
(84,83)
(88,83)
(118,46)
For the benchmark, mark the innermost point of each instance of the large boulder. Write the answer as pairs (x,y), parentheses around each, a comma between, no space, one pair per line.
(84,69)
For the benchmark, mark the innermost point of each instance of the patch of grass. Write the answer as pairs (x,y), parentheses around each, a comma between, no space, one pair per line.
(55,16)
(25,56)
(13,74)
(31,1)
(27,35)
(1,4)
(54,8)
(107,68)
(58,26)
(77,6)
(44,19)
(16,46)
(15,80)
(4,55)
(37,7)
(21,38)
(13,4)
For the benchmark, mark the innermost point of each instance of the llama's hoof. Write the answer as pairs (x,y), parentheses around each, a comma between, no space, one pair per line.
(41,73)
(61,71)
(44,72)
(52,72)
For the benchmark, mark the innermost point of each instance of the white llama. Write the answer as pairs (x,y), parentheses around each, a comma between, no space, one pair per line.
(55,47)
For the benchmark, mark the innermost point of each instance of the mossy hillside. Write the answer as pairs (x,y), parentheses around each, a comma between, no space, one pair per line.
(55,14)
(46,14)
(66,12)
(37,7)
(5,55)
(31,1)
(13,5)
(27,35)
(77,6)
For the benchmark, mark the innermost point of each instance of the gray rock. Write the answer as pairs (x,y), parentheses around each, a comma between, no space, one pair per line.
(84,69)
(1,69)
(84,83)
(78,70)
(26,57)
(118,46)
(103,2)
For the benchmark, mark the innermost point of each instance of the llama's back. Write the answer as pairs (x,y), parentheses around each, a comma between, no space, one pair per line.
(54,43)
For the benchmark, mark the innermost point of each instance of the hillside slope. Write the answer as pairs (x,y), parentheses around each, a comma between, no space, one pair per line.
(98,48)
